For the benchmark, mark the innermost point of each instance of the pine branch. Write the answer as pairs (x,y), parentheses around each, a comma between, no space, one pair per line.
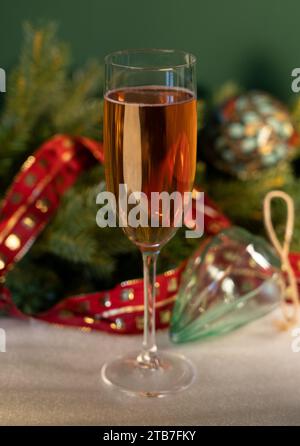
(43,100)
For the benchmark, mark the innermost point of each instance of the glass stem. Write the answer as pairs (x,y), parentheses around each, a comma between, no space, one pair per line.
(148,356)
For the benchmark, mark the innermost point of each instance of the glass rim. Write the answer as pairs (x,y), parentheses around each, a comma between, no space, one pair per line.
(108,59)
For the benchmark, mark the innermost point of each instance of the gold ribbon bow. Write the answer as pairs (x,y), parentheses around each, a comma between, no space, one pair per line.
(290,299)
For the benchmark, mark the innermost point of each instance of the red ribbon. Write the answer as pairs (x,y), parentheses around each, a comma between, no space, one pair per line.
(33,199)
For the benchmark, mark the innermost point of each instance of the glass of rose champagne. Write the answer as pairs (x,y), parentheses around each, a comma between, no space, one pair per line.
(150,135)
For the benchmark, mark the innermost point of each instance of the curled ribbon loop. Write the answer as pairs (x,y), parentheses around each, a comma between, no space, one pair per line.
(290,312)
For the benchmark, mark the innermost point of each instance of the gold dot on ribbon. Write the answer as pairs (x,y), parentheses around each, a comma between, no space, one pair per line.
(13,242)
(59,180)
(2,262)
(169,273)
(118,324)
(157,288)
(67,155)
(42,205)
(83,307)
(68,143)
(28,222)
(16,198)
(28,163)
(165,316)
(43,162)
(139,322)
(30,179)
(127,294)
(172,285)
(65,314)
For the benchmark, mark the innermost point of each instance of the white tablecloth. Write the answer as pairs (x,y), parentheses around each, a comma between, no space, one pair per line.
(50,376)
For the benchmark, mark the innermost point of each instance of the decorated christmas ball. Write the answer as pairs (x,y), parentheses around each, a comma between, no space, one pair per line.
(252,131)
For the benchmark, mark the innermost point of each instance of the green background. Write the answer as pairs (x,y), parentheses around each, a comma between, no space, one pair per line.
(256,43)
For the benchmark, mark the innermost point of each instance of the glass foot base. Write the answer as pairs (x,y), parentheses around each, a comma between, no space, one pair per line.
(172,373)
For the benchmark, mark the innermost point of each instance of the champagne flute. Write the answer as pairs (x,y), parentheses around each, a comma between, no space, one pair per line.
(150,135)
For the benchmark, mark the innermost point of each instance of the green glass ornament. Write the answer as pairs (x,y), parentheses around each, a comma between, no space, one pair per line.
(231,280)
